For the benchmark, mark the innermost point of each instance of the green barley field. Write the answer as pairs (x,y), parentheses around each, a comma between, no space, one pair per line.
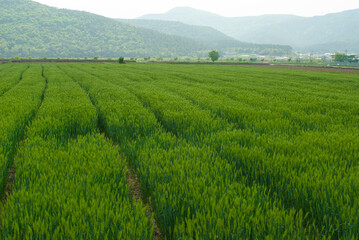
(219,152)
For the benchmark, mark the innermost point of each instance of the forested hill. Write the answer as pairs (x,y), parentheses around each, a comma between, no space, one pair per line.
(28,29)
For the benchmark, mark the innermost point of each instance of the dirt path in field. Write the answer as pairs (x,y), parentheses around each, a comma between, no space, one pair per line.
(134,186)
(9,184)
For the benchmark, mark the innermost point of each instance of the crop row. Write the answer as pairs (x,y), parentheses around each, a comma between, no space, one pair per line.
(194,192)
(221,152)
(70,182)
(306,158)
(10,76)
(17,108)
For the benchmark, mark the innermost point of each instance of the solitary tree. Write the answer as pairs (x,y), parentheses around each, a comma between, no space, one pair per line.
(214,55)
(121,60)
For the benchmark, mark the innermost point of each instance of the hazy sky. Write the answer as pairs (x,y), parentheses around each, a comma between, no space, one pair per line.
(229,8)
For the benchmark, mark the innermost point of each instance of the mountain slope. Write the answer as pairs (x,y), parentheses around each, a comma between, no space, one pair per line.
(199,33)
(299,32)
(350,46)
(28,28)
(236,27)
(211,37)
(188,15)
(303,32)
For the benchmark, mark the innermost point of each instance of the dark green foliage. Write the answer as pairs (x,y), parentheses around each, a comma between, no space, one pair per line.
(343,57)
(121,60)
(340,57)
(214,55)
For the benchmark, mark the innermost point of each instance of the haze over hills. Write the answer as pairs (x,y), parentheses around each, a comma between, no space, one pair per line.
(209,36)
(199,33)
(334,32)
(233,27)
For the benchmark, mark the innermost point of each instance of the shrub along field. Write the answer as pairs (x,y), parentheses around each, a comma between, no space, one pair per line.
(220,152)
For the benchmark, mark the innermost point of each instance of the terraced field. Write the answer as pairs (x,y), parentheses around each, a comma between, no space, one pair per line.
(143,151)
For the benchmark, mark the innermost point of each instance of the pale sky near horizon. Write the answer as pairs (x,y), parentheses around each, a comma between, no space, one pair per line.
(228,8)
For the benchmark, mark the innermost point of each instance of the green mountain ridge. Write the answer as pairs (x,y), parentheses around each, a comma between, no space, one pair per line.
(303,33)
(28,28)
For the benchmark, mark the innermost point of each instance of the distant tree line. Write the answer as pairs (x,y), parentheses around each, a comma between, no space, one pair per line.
(343,57)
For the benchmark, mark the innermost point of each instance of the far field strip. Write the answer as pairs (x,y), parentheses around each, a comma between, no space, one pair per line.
(276,106)
(262,98)
(233,76)
(230,75)
(309,68)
